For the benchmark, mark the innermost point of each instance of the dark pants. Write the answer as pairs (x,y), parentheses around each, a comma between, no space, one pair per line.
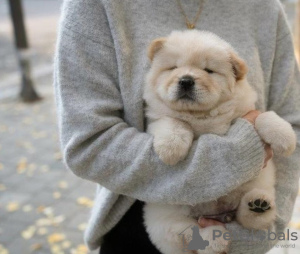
(129,235)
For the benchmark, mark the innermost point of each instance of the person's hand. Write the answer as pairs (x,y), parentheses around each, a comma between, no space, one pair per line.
(251,117)
(203,223)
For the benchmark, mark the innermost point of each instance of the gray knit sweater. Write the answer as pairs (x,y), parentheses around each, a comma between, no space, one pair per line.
(100,66)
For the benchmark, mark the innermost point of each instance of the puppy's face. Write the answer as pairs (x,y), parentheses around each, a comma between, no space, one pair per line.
(194,70)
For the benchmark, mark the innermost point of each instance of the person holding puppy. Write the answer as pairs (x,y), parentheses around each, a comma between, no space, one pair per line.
(100,68)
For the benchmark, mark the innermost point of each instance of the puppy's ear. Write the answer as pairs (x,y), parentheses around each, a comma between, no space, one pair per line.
(239,66)
(155,46)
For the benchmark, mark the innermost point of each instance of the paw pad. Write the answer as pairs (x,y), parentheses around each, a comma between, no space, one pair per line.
(259,205)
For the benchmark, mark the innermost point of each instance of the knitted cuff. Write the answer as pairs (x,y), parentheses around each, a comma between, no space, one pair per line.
(249,155)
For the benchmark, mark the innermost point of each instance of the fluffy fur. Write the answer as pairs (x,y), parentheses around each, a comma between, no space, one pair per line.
(197,84)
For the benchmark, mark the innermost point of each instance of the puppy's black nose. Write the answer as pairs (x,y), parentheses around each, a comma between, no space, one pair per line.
(186,82)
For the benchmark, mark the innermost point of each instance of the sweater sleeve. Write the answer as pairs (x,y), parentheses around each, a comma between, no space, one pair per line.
(100,146)
(284,99)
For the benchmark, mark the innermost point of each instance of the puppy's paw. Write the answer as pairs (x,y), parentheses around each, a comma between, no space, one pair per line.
(259,205)
(276,132)
(257,210)
(172,148)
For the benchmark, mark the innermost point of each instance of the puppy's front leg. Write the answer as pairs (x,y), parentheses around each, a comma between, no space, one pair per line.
(172,139)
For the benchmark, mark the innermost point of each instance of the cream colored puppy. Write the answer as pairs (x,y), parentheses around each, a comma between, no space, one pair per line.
(196,85)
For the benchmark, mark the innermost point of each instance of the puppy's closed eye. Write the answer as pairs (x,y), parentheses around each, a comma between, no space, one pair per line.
(209,70)
(172,68)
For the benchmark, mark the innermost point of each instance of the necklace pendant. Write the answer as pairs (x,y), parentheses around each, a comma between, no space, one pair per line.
(190,25)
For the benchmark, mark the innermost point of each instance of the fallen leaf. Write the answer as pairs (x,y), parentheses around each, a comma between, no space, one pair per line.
(29,232)
(36,246)
(58,219)
(27,145)
(22,165)
(56,195)
(3,128)
(39,134)
(1,166)
(45,168)
(66,244)
(31,168)
(82,226)
(55,238)
(27,121)
(43,222)
(63,185)
(2,187)
(3,250)
(42,231)
(40,209)
(48,211)
(82,249)
(58,156)
(27,208)
(55,249)
(12,206)
(84,201)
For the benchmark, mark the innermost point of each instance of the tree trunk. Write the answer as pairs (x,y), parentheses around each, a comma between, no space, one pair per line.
(28,93)
(298,32)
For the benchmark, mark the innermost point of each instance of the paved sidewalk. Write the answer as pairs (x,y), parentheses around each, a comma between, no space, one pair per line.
(43,207)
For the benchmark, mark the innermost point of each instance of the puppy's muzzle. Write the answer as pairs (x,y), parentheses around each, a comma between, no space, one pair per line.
(186,87)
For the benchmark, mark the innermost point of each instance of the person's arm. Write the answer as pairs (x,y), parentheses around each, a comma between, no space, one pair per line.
(284,99)
(100,146)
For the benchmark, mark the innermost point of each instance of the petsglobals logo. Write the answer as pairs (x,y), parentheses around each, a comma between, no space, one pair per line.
(192,239)
(256,235)
(196,242)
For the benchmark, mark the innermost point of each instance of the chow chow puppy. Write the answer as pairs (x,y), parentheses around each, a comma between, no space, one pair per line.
(196,85)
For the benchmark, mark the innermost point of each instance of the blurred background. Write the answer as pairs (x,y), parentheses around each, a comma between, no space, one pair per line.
(43,207)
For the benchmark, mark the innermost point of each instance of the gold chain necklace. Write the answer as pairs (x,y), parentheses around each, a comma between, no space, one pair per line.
(189,24)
